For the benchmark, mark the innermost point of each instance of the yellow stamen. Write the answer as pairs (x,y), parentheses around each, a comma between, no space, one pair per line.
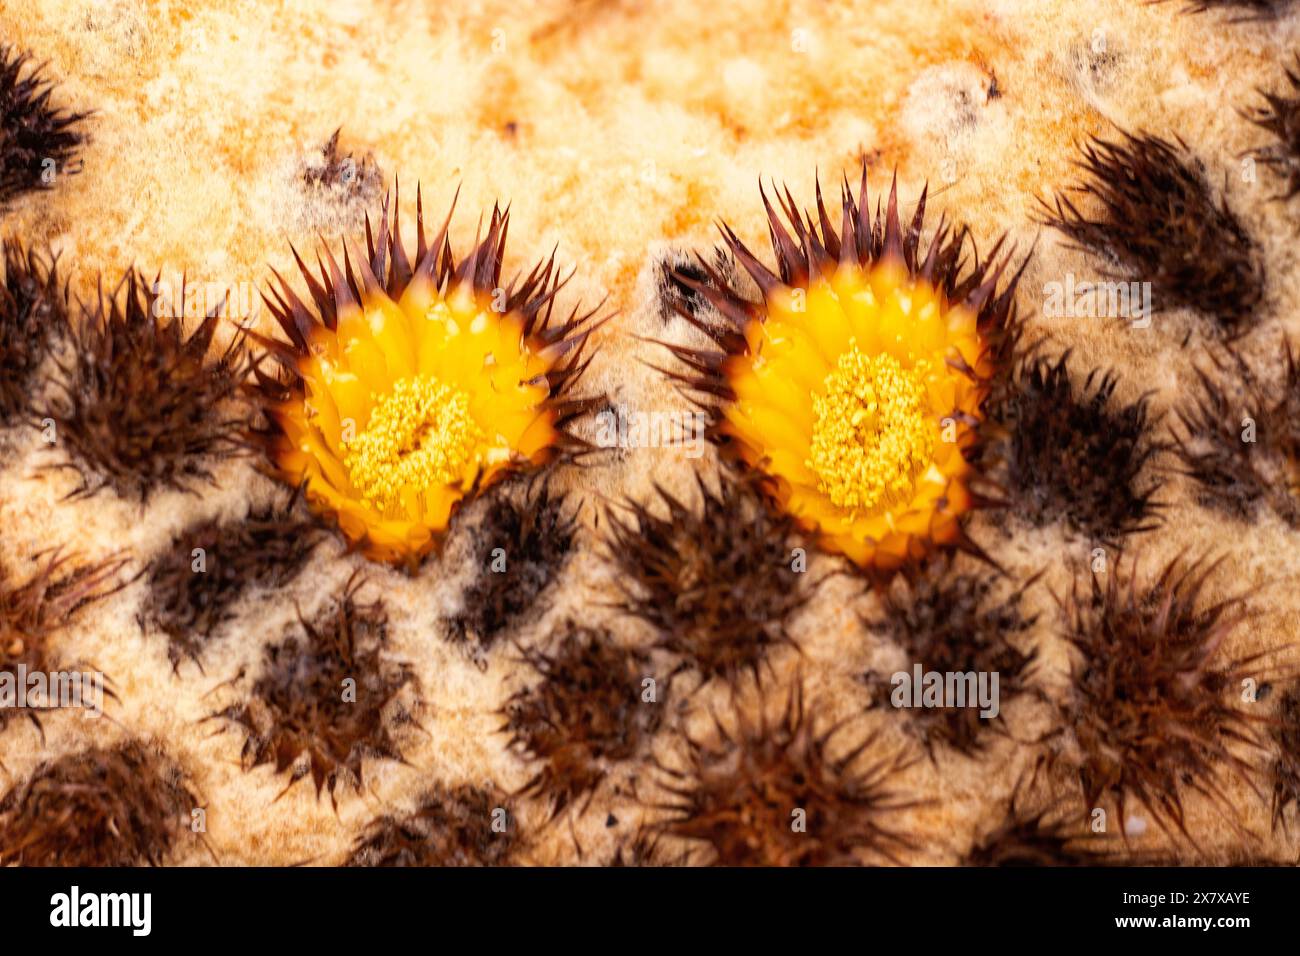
(872,437)
(420,435)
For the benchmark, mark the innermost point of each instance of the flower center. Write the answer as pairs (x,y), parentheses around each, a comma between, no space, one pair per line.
(872,437)
(420,435)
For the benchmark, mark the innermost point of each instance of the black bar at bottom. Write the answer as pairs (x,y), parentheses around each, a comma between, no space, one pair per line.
(543,907)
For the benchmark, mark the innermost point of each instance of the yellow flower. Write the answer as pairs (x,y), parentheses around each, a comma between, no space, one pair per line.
(857,383)
(409,388)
